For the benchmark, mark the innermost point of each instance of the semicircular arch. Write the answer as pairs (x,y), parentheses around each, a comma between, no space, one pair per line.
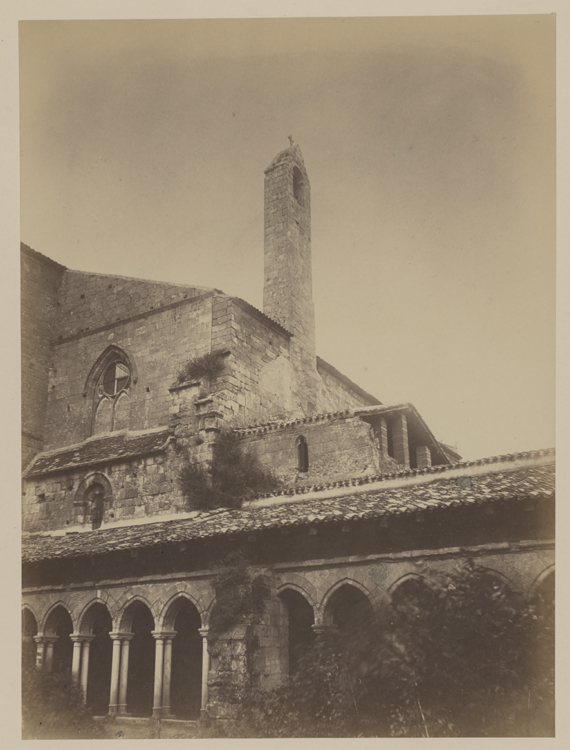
(46,625)
(85,617)
(499,575)
(28,608)
(539,580)
(125,616)
(346,582)
(408,577)
(168,613)
(303,590)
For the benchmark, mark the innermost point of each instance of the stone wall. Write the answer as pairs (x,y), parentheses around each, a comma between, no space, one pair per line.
(257,380)
(340,391)
(40,282)
(338,448)
(91,300)
(262,646)
(135,488)
(159,344)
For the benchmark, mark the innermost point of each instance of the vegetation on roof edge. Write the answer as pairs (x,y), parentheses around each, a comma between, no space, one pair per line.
(206,367)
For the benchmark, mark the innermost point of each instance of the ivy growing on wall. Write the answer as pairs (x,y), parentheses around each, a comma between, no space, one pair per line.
(233,475)
(240,598)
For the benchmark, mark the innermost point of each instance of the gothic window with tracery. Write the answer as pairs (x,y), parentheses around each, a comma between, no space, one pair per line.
(112,398)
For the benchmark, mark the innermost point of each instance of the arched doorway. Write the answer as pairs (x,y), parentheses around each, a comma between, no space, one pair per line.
(59,624)
(29,630)
(299,619)
(412,597)
(186,664)
(140,683)
(349,609)
(98,622)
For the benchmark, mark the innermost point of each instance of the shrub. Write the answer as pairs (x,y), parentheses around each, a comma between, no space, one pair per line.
(465,658)
(231,477)
(207,367)
(456,660)
(52,708)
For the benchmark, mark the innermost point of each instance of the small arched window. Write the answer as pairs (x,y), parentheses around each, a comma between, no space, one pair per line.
(302,454)
(95,500)
(298,186)
(93,503)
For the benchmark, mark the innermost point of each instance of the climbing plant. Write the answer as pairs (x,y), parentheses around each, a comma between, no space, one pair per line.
(465,658)
(241,595)
(232,476)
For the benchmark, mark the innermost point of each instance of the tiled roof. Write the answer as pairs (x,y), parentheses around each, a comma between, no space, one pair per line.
(27,250)
(109,447)
(513,479)
(276,424)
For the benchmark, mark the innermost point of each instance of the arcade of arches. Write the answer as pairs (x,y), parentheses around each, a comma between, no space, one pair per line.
(131,661)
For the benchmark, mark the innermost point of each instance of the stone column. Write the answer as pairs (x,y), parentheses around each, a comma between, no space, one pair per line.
(324,633)
(158,672)
(167,671)
(76,661)
(50,642)
(205,671)
(400,439)
(41,641)
(423,456)
(124,672)
(383,436)
(115,666)
(85,664)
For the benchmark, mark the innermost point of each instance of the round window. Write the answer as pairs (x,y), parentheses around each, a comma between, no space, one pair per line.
(116,378)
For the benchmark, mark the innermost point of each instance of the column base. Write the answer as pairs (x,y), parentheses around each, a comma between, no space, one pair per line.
(204,715)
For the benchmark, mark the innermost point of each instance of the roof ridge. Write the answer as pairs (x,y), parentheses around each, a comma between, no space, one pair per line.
(364,410)
(265,426)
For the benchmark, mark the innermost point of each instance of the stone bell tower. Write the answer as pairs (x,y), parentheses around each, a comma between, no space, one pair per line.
(288,289)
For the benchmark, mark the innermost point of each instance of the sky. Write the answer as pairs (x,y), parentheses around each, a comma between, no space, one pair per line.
(430,149)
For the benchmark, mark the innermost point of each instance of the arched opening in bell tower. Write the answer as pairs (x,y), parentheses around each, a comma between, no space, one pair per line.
(298,186)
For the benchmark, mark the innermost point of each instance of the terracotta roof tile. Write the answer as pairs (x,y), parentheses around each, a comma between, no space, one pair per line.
(516,483)
(109,447)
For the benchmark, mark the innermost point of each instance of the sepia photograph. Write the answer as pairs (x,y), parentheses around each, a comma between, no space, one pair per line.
(288,376)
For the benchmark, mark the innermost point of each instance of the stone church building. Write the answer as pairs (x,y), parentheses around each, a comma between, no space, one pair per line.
(119,566)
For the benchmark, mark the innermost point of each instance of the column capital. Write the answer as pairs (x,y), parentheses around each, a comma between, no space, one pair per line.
(81,637)
(45,638)
(204,632)
(162,634)
(117,635)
